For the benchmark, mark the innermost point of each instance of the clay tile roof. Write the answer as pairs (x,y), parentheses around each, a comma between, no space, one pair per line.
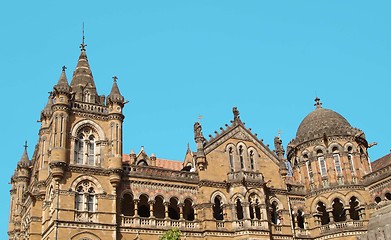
(381,162)
(162,163)
(169,164)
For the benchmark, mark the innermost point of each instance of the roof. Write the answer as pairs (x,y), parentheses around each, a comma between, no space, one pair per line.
(381,162)
(162,163)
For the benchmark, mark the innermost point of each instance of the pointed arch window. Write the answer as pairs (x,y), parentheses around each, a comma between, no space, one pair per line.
(218,209)
(239,210)
(322,163)
(86,149)
(252,165)
(337,161)
(241,157)
(350,160)
(85,197)
(231,158)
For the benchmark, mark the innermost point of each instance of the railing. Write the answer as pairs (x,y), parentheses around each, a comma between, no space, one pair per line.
(301,232)
(158,223)
(342,226)
(89,107)
(248,176)
(250,223)
(161,173)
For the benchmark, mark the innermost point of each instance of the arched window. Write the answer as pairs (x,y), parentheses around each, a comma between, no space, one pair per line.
(85,196)
(86,147)
(300,219)
(143,206)
(354,208)
(337,161)
(350,160)
(338,211)
(188,211)
(377,199)
(239,210)
(255,211)
(274,213)
(322,163)
(252,165)
(231,158)
(241,158)
(128,205)
(322,213)
(158,208)
(173,209)
(218,209)
(388,196)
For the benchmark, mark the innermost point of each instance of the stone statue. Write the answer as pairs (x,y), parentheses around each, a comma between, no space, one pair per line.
(197,130)
(235,112)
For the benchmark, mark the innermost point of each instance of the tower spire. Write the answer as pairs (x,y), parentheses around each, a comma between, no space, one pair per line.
(83,45)
(115,94)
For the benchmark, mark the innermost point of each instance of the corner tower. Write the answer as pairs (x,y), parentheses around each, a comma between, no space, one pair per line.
(76,167)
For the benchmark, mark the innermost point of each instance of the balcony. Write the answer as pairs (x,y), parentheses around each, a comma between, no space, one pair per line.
(343,226)
(154,223)
(250,224)
(88,107)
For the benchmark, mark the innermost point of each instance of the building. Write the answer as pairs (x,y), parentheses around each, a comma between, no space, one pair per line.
(79,185)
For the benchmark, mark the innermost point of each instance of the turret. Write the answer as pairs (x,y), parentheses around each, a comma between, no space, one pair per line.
(115,102)
(200,154)
(60,117)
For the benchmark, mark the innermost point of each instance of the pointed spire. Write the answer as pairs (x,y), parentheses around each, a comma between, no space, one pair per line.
(24,161)
(318,103)
(62,84)
(47,111)
(115,95)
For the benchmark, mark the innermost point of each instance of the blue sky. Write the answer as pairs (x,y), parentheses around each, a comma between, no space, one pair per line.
(176,60)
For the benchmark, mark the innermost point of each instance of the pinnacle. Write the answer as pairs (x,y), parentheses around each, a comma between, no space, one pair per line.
(62,82)
(24,160)
(115,94)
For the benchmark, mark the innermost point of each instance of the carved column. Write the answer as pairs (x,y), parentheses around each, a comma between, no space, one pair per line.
(151,203)
(136,201)
(181,206)
(166,204)
(246,210)
(347,212)
(330,212)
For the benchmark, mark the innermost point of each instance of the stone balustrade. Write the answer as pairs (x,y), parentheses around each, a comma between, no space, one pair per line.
(88,107)
(155,223)
(161,173)
(343,226)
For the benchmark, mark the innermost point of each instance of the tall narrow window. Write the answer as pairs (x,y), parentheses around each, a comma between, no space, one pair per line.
(337,164)
(43,153)
(231,160)
(61,130)
(80,149)
(241,157)
(239,210)
(218,209)
(90,199)
(252,160)
(91,150)
(322,163)
(274,213)
(79,198)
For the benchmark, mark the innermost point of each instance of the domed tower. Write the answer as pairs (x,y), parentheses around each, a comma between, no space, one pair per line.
(329,157)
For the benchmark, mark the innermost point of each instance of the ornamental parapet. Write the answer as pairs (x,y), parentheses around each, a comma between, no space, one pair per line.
(240,176)
(347,226)
(88,107)
(379,174)
(161,173)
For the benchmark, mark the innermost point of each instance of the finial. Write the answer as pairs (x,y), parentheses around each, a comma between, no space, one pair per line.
(200,117)
(82,45)
(25,146)
(318,104)
(236,113)
(64,68)
(279,133)
(115,78)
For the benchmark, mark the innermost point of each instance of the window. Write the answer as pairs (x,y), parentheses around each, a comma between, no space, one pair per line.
(337,164)
(218,209)
(85,197)
(239,210)
(86,148)
(338,211)
(274,213)
(231,159)
(241,157)
(252,160)
(322,214)
(322,163)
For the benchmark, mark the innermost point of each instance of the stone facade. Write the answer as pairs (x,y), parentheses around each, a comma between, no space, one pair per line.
(79,184)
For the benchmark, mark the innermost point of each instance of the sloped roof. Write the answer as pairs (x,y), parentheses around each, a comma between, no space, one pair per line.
(381,162)
(162,163)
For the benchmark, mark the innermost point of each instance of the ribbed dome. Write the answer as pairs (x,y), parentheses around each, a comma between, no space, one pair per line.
(322,121)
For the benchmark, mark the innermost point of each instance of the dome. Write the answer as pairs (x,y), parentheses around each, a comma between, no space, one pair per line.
(321,122)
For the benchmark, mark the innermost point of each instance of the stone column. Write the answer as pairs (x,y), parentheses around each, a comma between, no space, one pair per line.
(136,201)
(347,212)
(166,204)
(181,206)
(330,212)
(151,203)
